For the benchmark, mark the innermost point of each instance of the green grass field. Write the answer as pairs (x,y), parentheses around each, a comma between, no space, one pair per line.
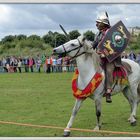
(46,99)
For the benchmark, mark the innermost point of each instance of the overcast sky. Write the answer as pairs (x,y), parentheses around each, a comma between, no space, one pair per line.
(38,19)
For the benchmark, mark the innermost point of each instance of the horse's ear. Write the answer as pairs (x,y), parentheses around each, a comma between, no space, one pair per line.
(84,38)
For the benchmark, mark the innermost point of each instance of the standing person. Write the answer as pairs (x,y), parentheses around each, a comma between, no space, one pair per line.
(54,63)
(64,64)
(15,64)
(138,58)
(1,66)
(19,64)
(4,64)
(59,64)
(48,64)
(31,64)
(26,64)
(132,56)
(103,25)
(38,63)
(43,61)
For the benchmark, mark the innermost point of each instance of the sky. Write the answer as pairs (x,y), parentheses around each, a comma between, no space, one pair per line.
(40,18)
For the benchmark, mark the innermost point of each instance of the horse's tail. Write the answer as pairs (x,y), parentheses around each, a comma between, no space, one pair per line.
(138,89)
(138,92)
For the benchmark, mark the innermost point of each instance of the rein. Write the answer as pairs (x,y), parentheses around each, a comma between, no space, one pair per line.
(76,55)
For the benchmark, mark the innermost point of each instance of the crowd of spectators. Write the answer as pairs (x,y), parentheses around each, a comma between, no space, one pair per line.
(47,64)
(40,63)
(132,56)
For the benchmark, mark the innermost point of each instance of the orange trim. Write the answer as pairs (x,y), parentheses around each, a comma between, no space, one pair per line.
(90,88)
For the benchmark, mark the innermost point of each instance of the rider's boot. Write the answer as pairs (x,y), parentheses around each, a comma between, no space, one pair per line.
(108,96)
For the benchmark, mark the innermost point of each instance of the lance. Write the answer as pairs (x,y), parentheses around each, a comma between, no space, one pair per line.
(64,32)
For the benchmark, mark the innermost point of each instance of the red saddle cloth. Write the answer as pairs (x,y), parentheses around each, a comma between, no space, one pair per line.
(119,72)
(121,75)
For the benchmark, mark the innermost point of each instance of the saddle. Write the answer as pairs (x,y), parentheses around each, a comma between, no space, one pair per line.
(119,65)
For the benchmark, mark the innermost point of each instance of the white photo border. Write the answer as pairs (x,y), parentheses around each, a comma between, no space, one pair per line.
(70,1)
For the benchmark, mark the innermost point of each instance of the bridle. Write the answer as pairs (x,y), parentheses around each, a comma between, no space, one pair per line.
(77,48)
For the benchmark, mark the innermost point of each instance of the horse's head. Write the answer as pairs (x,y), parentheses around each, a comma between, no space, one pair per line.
(74,48)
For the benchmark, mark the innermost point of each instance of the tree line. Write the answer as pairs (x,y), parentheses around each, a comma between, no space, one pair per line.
(19,43)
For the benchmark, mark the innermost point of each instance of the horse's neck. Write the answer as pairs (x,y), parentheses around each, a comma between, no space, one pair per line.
(86,70)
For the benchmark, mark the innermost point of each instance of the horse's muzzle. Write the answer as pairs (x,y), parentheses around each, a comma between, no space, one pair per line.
(56,52)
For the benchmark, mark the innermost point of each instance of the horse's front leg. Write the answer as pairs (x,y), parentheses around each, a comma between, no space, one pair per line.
(98,113)
(74,112)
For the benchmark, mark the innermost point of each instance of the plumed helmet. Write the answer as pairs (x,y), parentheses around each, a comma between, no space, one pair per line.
(103,18)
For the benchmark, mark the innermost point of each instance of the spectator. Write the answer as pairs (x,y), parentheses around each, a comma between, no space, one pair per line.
(26,63)
(15,64)
(1,66)
(31,64)
(64,64)
(38,64)
(4,64)
(54,63)
(59,64)
(43,60)
(71,67)
(138,58)
(67,63)
(19,64)
(132,56)
(48,64)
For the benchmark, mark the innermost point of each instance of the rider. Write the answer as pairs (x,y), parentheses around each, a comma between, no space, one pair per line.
(103,25)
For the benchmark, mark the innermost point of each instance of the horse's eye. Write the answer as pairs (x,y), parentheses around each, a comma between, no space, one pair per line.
(72,44)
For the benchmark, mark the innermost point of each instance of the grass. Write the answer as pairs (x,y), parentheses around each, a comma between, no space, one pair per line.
(46,99)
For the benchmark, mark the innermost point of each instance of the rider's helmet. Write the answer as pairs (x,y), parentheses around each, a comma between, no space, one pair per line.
(102,21)
(103,18)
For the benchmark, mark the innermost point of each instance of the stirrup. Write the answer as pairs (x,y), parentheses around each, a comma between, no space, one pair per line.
(108,91)
(108,98)
(108,95)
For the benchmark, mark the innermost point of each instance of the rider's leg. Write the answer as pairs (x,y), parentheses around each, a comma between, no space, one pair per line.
(109,81)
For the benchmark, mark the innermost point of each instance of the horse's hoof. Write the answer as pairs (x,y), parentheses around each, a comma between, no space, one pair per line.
(66,134)
(97,128)
(133,123)
(129,119)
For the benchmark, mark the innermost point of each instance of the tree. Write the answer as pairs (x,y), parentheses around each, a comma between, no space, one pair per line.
(34,37)
(89,35)
(59,40)
(21,37)
(47,38)
(74,34)
(8,38)
(54,39)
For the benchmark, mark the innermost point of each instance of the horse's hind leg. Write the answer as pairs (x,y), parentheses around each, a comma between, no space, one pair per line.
(74,112)
(131,96)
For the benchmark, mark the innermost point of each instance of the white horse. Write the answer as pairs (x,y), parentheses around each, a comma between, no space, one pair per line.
(88,63)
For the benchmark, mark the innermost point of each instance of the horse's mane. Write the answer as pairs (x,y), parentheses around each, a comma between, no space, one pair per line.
(90,51)
(97,60)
